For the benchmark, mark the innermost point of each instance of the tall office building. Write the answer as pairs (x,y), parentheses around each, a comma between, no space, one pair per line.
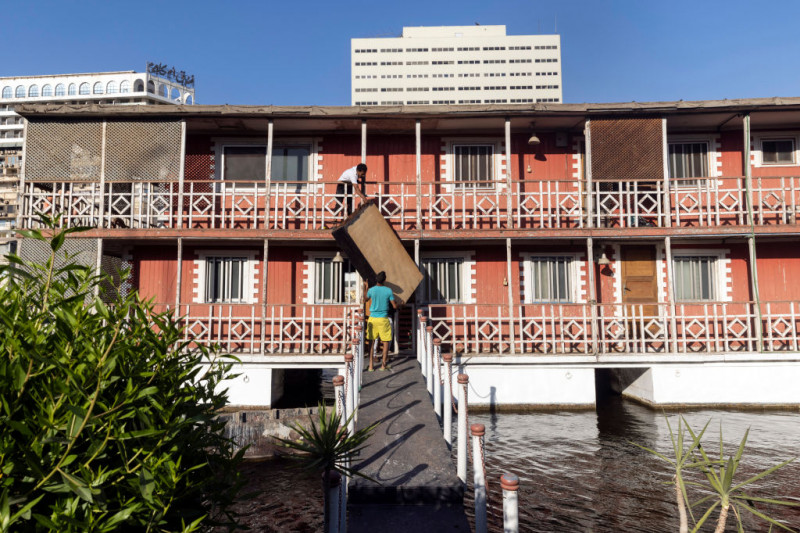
(157,85)
(456,65)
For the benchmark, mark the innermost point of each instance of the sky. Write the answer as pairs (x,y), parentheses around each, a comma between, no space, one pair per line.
(298,52)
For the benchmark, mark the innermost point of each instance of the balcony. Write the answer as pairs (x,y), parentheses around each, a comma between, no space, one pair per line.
(434,206)
(270,329)
(699,329)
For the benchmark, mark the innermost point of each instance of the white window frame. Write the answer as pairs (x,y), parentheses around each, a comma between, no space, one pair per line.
(497,161)
(712,155)
(720,272)
(467,275)
(573,273)
(311,280)
(776,136)
(221,143)
(249,276)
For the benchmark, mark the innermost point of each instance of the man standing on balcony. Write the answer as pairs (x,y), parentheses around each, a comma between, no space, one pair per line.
(378,325)
(347,183)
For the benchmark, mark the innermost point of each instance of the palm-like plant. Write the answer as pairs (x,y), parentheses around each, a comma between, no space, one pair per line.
(327,447)
(726,495)
(721,491)
(682,455)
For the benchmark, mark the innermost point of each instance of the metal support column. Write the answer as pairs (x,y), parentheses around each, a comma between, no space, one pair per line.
(181,172)
(592,291)
(751,239)
(418,152)
(179,278)
(268,174)
(264,278)
(510,286)
(673,327)
(509,202)
(589,187)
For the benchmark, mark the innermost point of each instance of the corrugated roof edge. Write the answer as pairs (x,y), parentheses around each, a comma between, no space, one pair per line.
(98,110)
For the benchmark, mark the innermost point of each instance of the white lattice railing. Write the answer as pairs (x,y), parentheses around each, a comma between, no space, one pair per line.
(582,329)
(533,204)
(282,329)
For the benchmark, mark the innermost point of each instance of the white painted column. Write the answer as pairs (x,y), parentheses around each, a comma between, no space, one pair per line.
(181,176)
(510,485)
(418,338)
(101,215)
(437,373)
(429,376)
(510,287)
(349,396)
(673,327)
(461,452)
(479,487)
(447,422)
(592,291)
(180,277)
(418,132)
(423,323)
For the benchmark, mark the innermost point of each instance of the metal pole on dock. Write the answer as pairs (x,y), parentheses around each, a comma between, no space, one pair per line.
(510,486)
(479,487)
(354,348)
(463,383)
(447,421)
(348,369)
(437,378)
(333,503)
(429,352)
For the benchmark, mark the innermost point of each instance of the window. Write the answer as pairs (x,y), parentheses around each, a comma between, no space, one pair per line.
(47,90)
(72,89)
(19,92)
(244,163)
(125,86)
(84,88)
(473,163)
(111,87)
(443,280)
(695,278)
(7,92)
(549,279)
(688,160)
(334,283)
(777,152)
(225,279)
(162,91)
(33,91)
(290,162)
(98,88)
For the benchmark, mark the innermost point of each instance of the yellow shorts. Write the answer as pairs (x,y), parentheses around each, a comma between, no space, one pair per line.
(379,328)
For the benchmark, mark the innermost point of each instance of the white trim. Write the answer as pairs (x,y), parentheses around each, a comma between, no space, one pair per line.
(577,275)
(251,272)
(469,276)
(757,153)
(499,166)
(723,286)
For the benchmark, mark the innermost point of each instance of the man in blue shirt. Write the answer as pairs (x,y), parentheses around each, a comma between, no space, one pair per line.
(378,325)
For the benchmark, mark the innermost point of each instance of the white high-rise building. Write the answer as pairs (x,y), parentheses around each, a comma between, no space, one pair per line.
(156,86)
(456,65)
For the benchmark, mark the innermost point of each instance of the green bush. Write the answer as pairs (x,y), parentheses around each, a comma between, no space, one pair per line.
(107,418)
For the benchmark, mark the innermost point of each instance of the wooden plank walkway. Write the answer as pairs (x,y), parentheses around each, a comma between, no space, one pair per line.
(418,488)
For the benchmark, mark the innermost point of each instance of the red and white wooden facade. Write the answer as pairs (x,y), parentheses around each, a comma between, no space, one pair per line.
(727,235)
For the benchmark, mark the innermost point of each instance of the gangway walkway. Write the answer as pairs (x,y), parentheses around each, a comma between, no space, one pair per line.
(418,488)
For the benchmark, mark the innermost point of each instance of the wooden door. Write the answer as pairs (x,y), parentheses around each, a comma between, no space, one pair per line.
(639,280)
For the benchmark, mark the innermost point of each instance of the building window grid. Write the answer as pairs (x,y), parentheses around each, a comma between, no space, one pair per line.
(443,280)
(225,279)
(473,163)
(688,160)
(551,279)
(695,277)
(47,90)
(778,151)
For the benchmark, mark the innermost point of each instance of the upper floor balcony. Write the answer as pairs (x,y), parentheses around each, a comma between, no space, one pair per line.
(426,207)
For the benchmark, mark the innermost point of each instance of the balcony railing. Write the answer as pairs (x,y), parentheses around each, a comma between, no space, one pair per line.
(271,329)
(439,205)
(583,329)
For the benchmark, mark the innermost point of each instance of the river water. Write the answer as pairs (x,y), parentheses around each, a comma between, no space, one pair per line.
(580,471)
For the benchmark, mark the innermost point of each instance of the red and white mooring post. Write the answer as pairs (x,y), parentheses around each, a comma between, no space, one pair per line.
(349,395)
(437,377)
(463,383)
(429,352)
(447,422)
(510,485)
(479,487)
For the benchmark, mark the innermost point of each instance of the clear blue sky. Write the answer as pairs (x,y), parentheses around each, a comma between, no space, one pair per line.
(297,52)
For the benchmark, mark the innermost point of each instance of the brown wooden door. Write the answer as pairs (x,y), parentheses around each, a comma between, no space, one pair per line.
(639,280)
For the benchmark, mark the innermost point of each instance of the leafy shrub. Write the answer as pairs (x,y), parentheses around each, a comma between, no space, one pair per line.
(107,418)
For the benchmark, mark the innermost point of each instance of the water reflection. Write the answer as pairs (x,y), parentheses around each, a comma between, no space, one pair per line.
(579,471)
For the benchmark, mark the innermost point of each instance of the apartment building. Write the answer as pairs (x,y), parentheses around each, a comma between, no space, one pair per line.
(649,245)
(447,65)
(118,88)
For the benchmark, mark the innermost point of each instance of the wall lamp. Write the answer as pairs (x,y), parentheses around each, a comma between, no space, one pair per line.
(533,140)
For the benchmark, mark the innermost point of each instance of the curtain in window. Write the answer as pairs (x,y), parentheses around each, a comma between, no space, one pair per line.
(550,279)
(694,278)
(688,160)
(290,163)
